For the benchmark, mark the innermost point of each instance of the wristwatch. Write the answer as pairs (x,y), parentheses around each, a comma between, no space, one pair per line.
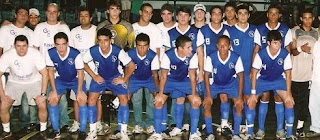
(43,94)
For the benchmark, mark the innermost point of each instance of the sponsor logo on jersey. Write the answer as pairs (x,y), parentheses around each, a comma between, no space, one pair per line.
(13,32)
(46,31)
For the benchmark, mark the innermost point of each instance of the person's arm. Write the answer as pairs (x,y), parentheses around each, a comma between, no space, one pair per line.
(130,67)
(287,67)
(1,86)
(86,59)
(163,80)
(44,80)
(51,72)
(200,54)
(192,77)
(156,78)
(256,66)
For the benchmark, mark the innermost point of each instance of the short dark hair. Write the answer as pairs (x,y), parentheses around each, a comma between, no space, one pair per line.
(83,8)
(230,4)
(308,10)
(274,35)
(21,7)
(114,3)
(60,35)
(216,7)
(104,32)
(274,6)
(184,9)
(181,41)
(223,37)
(145,5)
(242,6)
(21,38)
(168,7)
(143,37)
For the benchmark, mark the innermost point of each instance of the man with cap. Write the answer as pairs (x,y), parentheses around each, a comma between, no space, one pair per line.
(34,18)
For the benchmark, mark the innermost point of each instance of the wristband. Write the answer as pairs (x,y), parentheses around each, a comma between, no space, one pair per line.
(43,94)
(253,91)
(299,49)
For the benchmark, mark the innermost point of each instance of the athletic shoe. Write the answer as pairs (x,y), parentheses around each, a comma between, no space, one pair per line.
(198,132)
(6,135)
(54,135)
(74,127)
(92,135)
(100,131)
(115,135)
(137,129)
(236,137)
(210,137)
(150,129)
(175,132)
(43,135)
(64,129)
(185,127)
(106,128)
(260,134)
(82,135)
(291,138)
(312,134)
(155,136)
(227,132)
(124,136)
(194,137)
(165,135)
(281,134)
(300,133)
(250,137)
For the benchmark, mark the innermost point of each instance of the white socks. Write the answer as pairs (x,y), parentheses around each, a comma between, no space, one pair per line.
(6,127)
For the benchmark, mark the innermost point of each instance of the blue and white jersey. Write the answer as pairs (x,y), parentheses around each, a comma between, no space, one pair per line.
(66,67)
(208,37)
(107,66)
(272,67)
(174,33)
(224,72)
(242,42)
(178,67)
(260,35)
(144,65)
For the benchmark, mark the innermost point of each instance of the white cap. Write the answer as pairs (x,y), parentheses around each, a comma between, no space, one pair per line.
(199,7)
(34,11)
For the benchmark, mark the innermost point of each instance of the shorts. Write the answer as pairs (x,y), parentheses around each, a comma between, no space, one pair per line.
(177,89)
(231,89)
(107,85)
(125,4)
(87,79)
(16,90)
(264,85)
(200,88)
(135,84)
(62,86)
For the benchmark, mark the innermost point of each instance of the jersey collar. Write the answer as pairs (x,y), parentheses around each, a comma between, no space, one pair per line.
(65,57)
(181,32)
(105,56)
(278,25)
(141,57)
(214,30)
(240,29)
(176,53)
(273,57)
(225,61)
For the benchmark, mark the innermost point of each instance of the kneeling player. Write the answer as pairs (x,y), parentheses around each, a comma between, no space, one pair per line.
(227,70)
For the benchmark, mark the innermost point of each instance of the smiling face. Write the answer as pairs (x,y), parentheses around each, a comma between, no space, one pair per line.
(22,16)
(216,15)
(186,49)
(166,16)
(52,13)
(146,13)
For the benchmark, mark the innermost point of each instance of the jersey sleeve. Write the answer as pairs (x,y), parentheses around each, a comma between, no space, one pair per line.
(287,63)
(165,62)
(158,36)
(79,62)
(239,66)
(166,40)
(194,62)
(124,57)
(293,32)
(208,65)
(87,57)
(155,63)
(4,63)
(200,38)
(72,39)
(257,62)
(288,38)
(257,37)
(49,62)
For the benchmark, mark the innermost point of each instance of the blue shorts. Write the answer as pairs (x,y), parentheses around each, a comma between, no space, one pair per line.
(177,89)
(135,84)
(200,88)
(231,89)
(62,86)
(263,85)
(107,85)
(247,85)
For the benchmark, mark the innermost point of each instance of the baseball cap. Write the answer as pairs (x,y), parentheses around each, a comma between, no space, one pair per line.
(34,10)
(199,7)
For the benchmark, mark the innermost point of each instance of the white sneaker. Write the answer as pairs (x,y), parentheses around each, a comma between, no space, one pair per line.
(92,135)
(106,128)
(175,132)
(155,136)
(100,129)
(185,127)
(75,127)
(210,137)
(150,129)
(165,135)
(236,137)
(198,132)
(137,129)
(194,137)
(124,136)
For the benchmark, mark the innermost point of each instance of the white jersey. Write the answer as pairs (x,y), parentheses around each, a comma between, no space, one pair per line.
(9,32)
(153,32)
(25,69)
(44,34)
(164,31)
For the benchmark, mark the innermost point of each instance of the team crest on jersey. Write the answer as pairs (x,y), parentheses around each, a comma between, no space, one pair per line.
(114,58)
(79,37)
(46,31)
(251,33)
(207,41)
(280,61)
(13,32)
(192,36)
(70,61)
(186,61)
(174,67)
(146,62)
(17,64)
(231,65)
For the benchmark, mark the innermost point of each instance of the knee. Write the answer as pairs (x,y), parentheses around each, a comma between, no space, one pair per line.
(265,97)
(158,105)
(53,102)
(238,110)
(42,105)
(123,100)
(180,100)
(207,111)
(224,98)
(92,101)
(288,105)
(277,98)
(252,105)
(195,104)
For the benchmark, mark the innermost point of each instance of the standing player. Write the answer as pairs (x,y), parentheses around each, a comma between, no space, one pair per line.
(68,64)
(273,66)
(199,11)
(178,74)
(27,69)
(227,70)
(107,58)
(230,14)
(260,39)
(34,18)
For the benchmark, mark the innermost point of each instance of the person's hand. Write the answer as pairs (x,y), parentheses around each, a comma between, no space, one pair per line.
(159,99)
(81,96)
(207,102)
(289,98)
(306,48)
(200,77)
(252,99)
(238,103)
(195,99)
(98,79)
(53,96)
(118,80)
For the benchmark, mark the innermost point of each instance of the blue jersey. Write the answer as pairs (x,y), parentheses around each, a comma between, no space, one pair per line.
(210,37)
(263,29)
(192,33)
(224,72)
(66,67)
(144,67)
(178,67)
(272,67)
(242,42)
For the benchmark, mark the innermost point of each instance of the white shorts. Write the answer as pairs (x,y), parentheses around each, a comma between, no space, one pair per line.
(125,4)
(16,90)
(88,79)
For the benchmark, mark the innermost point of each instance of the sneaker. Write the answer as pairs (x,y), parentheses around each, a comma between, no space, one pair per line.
(6,135)
(137,129)
(236,137)
(92,135)
(100,131)
(43,135)
(300,133)
(281,134)
(185,127)
(165,135)
(124,136)
(74,127)
(250,137)
(260,134)
(227,132)
(203,130)
(106,128)
(243,129)
(194,137)
(115,135)
(175,132)
(54,135)
(198,132)
(292,138)
(150,129)
(64,129)
(82,135)
(210,137)
(312,134)
(155,136)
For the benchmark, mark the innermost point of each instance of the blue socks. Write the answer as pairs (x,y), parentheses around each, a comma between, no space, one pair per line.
(225,108)
(289,113)
(164,117)
(54,117)
(123,115)
(194,118)
(179,110)
(250,115)
(279,109)
(208,121)
(83,117)
(157,120)
(263,109)
(237,122)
